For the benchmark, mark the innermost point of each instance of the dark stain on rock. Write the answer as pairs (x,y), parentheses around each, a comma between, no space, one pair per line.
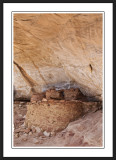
(28,79)
(91,68)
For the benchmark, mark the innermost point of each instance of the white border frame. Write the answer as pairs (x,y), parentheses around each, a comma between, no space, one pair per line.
(39,147)
(8,8)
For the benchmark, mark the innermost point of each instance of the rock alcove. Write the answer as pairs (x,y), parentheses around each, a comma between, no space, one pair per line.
(57,78)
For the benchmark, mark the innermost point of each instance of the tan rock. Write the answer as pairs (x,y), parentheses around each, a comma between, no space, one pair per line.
(40,134)
(30,133)
(53,94)
(38,130)
(27,130)
(52,134)
(16,135)
(35,141)
(47,134)
(33,130)
(17,130)
(44,99)
(24,137)
(37,97)
(33,102)
(72,94)
(57,48)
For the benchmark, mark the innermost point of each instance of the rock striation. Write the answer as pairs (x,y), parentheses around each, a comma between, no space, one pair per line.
(57,50)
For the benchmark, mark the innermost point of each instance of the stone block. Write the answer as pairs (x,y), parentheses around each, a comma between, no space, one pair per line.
(54,94)
(37,97)
(73,94)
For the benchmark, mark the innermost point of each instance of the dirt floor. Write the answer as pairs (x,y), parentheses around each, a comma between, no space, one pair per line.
(25,136)
(86,131)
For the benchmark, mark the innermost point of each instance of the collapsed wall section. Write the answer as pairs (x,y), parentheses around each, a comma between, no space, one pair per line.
(55,115)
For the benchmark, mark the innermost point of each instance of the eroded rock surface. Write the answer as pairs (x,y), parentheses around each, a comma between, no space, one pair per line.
(56,50)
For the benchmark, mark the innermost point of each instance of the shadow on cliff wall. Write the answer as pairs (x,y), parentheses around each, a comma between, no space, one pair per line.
(57,86)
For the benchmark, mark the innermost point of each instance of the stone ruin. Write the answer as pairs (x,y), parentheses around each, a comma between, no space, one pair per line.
(53,110)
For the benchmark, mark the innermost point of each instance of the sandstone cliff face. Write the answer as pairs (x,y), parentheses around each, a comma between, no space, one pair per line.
(57,50)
